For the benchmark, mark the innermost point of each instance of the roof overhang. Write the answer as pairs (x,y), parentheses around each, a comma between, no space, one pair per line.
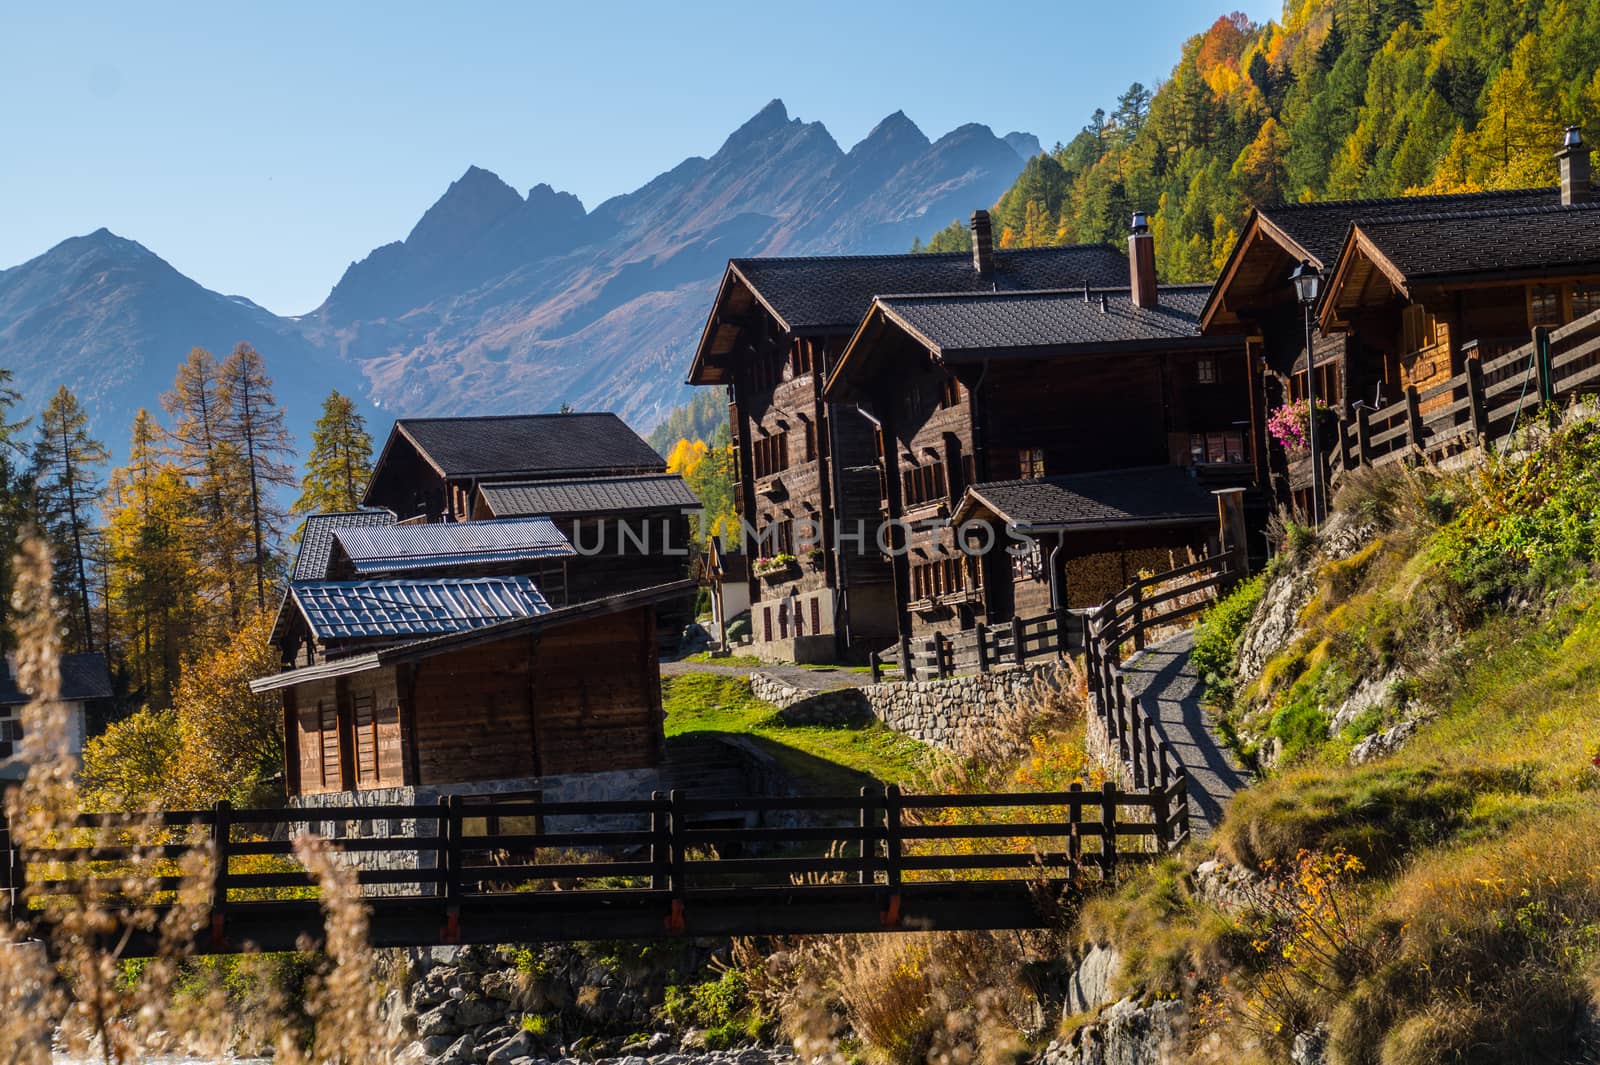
(975,507)
(1360,262)
(1259,232)
(418,650)
(705,369)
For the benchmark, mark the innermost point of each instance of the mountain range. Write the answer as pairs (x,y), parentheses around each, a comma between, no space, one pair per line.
(498,302)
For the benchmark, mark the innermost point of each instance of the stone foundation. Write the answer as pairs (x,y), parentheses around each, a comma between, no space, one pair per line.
(937,712)
(572,787)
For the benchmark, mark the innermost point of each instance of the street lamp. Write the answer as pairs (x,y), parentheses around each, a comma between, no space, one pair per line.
(1307,286)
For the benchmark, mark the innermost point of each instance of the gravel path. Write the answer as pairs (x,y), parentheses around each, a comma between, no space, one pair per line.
(1165,682)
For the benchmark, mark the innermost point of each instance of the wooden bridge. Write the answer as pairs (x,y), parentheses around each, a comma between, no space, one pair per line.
(494,872)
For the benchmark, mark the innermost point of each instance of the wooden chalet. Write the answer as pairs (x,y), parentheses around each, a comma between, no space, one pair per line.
(626,531)
(604,487)
(85,689)
(1414,287)
(808,483)
(1093,422)
(558,702)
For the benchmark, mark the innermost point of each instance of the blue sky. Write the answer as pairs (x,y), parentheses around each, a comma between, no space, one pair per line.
(260,148)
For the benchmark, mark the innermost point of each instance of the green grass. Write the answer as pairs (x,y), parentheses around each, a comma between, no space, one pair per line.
(706,657)
(828,758)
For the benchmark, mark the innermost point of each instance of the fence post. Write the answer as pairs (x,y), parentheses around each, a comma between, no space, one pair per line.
(982,634)
(1541,351)
(1346,458)
(1477,403)
(221,831)
(1075,827)
(1413,418)
(864,869)
(660,845)
(891,830)
(907,670)
(1061,631)
(1137,617)
(1016,640)
(1180,788)
(1149,753)
(1364,435)
(1108,829)
(877,666)
(1160,808)
(450,863)
(941,654)
(680,868)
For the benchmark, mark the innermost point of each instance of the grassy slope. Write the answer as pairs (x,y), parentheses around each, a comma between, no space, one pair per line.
(1468,928)
(831,759)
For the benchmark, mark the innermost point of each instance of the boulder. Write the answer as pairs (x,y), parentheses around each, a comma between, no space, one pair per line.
(521,1045)
(458,1053)
(472,1012)
(438,1021)
(1089,988)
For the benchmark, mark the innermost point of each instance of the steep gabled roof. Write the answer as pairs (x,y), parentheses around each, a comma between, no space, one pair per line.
(1543,239)
(522,445)
(1150,495)
(588,495)
(831,294)
(967,326)
(316,539)
(1316,230)
(398,548)
(345,610)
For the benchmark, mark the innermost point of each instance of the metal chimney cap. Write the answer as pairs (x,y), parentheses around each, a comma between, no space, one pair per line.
(1140,223)
(1572,138)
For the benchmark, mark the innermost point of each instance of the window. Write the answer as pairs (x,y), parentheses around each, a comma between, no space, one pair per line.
(364,710)
(800,358)
(816,616)
(1414,334)
(1030,463)
(949,393)
(1214,448)
(770,454)
(1544,305)
(923,484)
(328,738)
(811,442)
(766,624)
(939,578)
(1585,299)
(777,538)
(1205,371)
(10,730)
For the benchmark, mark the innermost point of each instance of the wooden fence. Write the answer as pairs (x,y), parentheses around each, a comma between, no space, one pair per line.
(1149,604)
(982,648)
(1484,403)
(610,869)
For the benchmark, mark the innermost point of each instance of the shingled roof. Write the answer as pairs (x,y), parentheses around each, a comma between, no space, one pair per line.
(1504,241)
(1319,228)
(343,610)
(84,677)
(588,495)
(527,444)
(831,294)
(316,539)
(397,548)
(956,326)
(1146,495)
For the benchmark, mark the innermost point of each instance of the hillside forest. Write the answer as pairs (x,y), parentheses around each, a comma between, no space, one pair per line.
(173,564)
(1341,99)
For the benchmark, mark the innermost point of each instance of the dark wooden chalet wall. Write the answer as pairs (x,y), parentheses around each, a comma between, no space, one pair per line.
(824,476)
(1085,413)
(581,698)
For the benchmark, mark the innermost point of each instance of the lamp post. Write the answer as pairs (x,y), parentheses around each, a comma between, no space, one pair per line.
(1307,286)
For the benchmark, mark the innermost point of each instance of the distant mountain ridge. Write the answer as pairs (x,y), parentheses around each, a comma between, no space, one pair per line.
(498,302)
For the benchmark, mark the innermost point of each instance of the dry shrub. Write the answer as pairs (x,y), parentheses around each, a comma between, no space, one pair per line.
(951,998)
(986,757)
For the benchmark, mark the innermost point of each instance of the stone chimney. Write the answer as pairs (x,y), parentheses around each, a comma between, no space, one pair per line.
(1574,159)
(982,244)
(1142,263)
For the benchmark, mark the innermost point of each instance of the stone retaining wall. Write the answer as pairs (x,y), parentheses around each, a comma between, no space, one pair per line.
(937,712)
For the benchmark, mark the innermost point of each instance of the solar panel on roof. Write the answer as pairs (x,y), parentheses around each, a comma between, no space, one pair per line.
(339,610)
(395,548)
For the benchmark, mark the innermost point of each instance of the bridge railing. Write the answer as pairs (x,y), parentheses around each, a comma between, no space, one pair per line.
(982,648)
(670,850)
(1148,605)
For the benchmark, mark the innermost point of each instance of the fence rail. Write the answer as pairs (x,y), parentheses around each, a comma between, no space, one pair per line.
(1144,756)
(1482,404)
(606,869)
(981,648)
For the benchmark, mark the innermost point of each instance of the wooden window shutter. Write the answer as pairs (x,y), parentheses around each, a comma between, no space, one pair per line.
(328,741)
(365,718)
